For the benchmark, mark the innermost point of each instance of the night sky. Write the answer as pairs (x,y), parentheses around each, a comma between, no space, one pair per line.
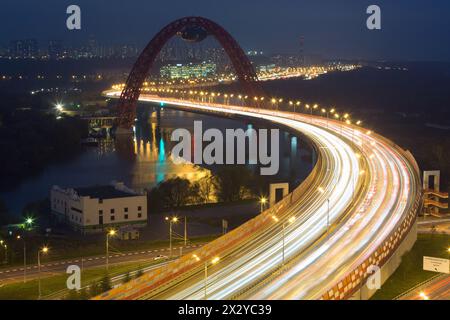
(411,29)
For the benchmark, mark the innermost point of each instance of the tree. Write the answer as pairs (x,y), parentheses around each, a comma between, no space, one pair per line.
(177,191)
(105,283)
(173,193)
(232,182)
(205,189)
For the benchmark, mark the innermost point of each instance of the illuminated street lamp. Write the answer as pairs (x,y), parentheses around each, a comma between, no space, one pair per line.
(290,221)
(423,295)
(43,250)
(110,233)
(3,244)
(19,237)
(325,111)
(274,102)
(171,221)
(314,107)
(59,106)
(262,203)
(297,104)
(213,262)
(28,223)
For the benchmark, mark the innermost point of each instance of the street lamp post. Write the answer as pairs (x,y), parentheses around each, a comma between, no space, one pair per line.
(171,221)
(3,244)
(273,101)
(297,104)
(110,233)
(325,111)
(283,234)
(24,258)
(44,250)
(28,224)
(213,262)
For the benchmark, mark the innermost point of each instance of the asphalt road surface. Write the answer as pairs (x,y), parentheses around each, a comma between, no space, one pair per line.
(15,274)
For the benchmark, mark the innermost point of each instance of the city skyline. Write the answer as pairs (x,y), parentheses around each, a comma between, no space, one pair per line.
(406,34)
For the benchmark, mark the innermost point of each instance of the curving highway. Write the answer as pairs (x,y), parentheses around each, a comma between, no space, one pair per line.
(359,193)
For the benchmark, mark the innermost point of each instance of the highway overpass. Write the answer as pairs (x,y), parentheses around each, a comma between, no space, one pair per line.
(357,209)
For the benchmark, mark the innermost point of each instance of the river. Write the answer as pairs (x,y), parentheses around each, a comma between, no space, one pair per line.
(146,161)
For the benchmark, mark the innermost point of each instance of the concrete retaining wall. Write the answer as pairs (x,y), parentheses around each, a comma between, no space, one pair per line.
(364,293)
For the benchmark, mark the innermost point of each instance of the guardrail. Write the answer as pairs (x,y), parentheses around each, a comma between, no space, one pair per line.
(354,280)
(341,290)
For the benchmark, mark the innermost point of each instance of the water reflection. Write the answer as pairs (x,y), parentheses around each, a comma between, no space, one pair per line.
(150,153)
(144,160)
(151,145)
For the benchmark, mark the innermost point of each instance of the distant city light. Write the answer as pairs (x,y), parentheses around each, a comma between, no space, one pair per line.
(59,106)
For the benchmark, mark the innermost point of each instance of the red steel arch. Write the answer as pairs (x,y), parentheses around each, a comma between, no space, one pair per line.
(242,65)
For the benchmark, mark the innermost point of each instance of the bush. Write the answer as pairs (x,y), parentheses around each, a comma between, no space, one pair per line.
(105,283)
(139,273)
(127,278)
